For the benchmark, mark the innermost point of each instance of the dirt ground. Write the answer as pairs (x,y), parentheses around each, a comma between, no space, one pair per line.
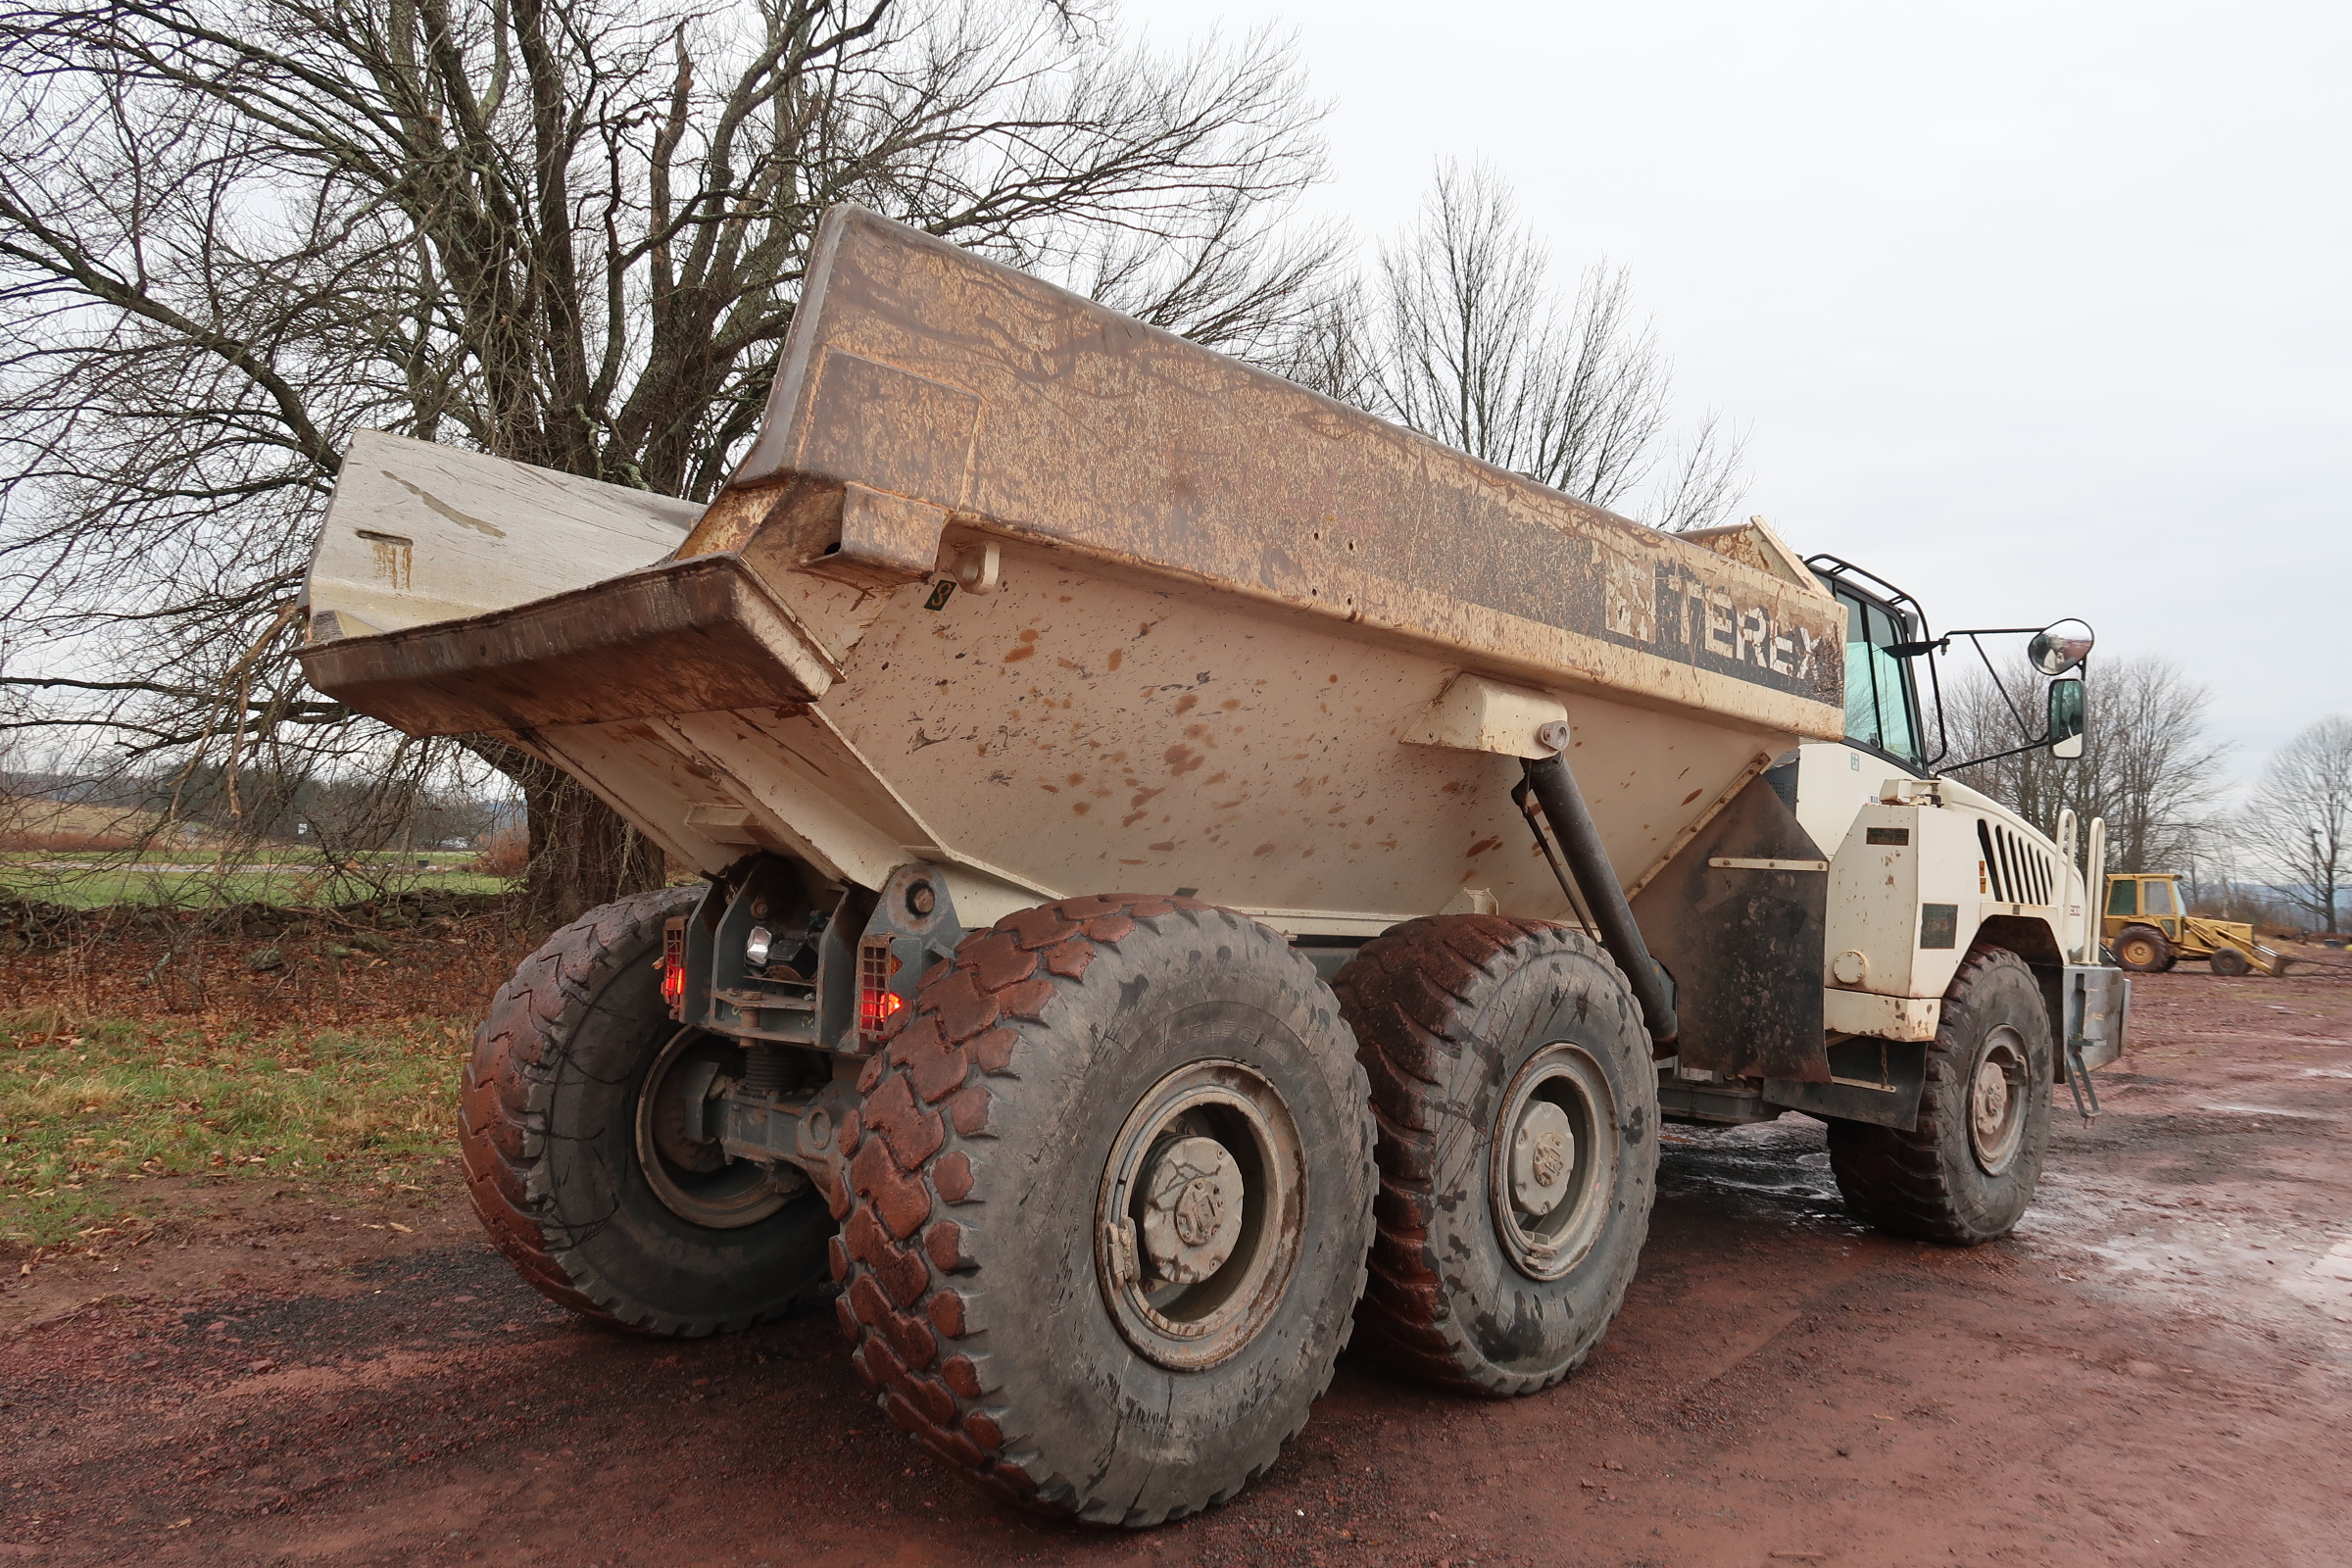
(2154,1371)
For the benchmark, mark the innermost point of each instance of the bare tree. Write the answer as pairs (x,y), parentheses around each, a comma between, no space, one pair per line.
(2299,821)
(1464,338)
(568,232)
(2148,766)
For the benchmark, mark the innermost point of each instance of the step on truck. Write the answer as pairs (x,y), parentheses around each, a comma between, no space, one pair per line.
(1195,877)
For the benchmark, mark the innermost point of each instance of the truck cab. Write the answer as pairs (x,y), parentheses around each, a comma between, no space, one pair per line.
(1924,875)
(2152,901)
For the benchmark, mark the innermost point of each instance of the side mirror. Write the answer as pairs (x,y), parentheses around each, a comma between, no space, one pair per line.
(2066,715)
(2059,648)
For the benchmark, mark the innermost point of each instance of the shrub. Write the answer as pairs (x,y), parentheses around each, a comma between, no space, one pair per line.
(503,855)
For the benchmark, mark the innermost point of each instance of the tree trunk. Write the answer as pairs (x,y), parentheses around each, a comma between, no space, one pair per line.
(583,853)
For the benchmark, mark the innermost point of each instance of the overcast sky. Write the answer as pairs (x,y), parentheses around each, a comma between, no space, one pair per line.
(2037,309)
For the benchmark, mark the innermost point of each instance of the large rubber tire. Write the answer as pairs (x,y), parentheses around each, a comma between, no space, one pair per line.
(1929,1181)
(2229,962)
(547,1127)
(1447,1013)
(2142,949)
(974,1290)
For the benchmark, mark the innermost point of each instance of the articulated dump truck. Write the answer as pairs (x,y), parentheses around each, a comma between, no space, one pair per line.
(1195,877)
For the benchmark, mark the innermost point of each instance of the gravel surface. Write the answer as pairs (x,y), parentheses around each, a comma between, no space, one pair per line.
(2153,1370)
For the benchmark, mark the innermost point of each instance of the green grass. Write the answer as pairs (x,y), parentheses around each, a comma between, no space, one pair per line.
(91,1108)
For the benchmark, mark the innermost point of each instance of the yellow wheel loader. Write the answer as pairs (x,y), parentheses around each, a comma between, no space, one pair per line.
(2149,929)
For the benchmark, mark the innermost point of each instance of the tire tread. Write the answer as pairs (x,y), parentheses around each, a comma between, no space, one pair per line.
(1894,1177)
(502,1108)
(910,1320)
(1410,995)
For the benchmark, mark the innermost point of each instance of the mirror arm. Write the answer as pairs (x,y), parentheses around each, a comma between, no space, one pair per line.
(1938,770)
(1942,644)
(1994,757)
(2007,701)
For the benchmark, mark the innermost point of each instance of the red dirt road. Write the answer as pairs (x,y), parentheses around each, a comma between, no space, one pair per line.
(2154,1371)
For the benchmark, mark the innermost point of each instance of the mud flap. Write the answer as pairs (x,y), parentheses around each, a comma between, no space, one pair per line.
(1744,940)
(1874,1081)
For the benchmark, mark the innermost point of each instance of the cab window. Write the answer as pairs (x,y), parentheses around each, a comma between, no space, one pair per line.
(1879,707)
(2159,898)
(2123,898)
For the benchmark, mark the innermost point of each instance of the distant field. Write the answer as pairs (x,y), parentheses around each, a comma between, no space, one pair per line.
(88,879)
(64,825)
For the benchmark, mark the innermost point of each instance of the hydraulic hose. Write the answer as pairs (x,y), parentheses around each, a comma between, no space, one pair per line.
(1563,805)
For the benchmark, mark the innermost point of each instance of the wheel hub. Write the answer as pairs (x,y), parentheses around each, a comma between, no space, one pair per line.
(1192,1215)
(1996,1100)
(1201,1214)
(1543,1153)
(1554,1161)
(1992,1100)
(678,1150)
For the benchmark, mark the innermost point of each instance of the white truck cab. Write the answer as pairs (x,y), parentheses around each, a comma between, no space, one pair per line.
(1931,886)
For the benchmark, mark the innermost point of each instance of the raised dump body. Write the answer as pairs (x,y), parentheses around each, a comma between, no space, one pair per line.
(1206,620)
(1016,604)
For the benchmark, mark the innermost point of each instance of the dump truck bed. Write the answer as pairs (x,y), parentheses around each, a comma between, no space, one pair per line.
(1021,586)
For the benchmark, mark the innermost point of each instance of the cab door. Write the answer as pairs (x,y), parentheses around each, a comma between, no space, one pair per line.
(2123,905)
(2160,906)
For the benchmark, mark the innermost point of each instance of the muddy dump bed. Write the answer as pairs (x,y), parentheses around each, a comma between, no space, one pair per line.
(1072,724)
(1016,585)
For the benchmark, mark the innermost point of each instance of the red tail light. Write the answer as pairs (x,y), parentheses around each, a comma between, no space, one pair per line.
(673,968)
(877,1004)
